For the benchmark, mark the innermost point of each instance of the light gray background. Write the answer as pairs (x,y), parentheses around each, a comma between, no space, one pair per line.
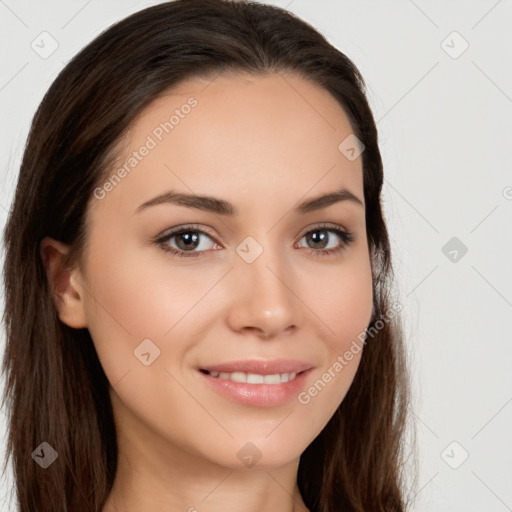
(445,126)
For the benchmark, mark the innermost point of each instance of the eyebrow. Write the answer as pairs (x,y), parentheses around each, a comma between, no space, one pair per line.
(222,207)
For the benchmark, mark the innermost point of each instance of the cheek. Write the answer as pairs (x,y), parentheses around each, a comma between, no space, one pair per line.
(132,297)
(142,295)
(341,297)
(342,301)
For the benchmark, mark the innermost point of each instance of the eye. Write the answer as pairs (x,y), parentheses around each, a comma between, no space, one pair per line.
(320,242)
(189,238)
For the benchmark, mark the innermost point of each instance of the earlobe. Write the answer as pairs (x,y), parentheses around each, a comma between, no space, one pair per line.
(66,293)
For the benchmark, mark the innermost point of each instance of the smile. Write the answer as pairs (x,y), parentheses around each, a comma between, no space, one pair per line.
(256,389)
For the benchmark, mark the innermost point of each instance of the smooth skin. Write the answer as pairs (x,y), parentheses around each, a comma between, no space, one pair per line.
(263,143)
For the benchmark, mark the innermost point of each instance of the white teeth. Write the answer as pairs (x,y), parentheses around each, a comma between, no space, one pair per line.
(272,379)
(254,378)
(237,377)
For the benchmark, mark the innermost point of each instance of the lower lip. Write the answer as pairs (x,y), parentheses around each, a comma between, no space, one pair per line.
(258,395)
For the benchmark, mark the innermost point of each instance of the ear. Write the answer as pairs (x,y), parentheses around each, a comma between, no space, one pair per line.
(66,292)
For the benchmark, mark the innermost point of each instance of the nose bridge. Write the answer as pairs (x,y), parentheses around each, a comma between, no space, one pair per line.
(265,299)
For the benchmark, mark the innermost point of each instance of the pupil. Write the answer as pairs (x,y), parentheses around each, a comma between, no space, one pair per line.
(322,237)
(190,239)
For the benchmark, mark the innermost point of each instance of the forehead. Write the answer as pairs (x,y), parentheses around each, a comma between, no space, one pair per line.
(252,135)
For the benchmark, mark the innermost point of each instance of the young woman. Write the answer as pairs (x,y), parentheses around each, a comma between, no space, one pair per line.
(198,275)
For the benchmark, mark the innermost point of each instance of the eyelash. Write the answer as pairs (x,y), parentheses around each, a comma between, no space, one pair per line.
(346,237)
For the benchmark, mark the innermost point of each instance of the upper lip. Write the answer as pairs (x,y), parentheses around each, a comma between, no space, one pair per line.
(260,367)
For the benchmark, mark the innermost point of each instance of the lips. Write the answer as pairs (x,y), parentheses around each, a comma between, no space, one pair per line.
(257,383)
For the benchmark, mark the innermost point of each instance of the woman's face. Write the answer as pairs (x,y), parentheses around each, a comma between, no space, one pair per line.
(251,282)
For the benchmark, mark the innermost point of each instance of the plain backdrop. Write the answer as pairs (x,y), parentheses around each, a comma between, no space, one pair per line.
(440,85)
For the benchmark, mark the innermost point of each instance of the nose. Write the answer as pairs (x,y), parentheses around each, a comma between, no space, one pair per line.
(263,298)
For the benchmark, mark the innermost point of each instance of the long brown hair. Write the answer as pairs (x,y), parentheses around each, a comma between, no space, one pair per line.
(56,389)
